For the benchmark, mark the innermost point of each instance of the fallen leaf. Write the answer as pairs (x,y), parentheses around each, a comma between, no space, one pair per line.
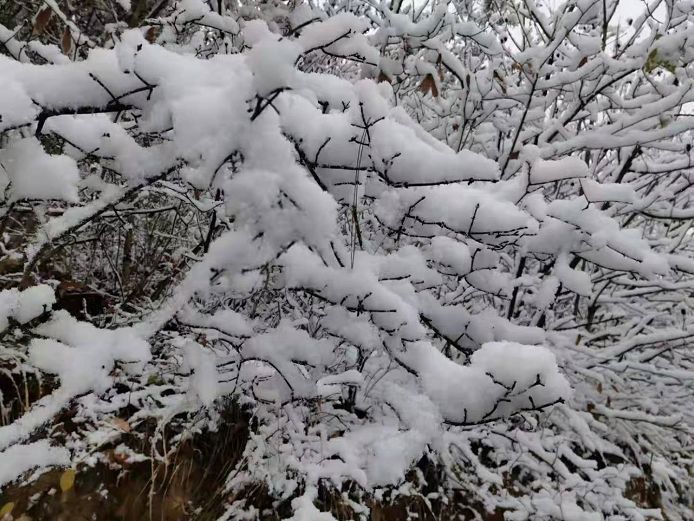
(121,424)
(152,33)
(67,480)
(6,509)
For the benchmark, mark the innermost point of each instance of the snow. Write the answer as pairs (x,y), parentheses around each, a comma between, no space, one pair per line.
(29,172)
(472,393)
(420,161)
(574,280)
(24,306)
(16,106)
(272,65)
(204,382)
(83,355)
(19,459)
(601,192)
(33,301)
(332,384)
(451,253)
(305,510)
(464,210)
(549,171)
(323,35)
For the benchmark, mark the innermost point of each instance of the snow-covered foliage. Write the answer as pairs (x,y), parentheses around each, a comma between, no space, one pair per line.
(448,231)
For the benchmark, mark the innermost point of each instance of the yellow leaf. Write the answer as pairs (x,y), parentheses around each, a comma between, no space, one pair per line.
(67,480)
(6,509)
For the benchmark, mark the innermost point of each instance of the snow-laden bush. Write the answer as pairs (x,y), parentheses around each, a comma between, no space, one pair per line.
(377,270)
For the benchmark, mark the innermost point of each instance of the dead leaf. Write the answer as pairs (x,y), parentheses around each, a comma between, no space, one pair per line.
(500,80)
(67,480)
(583,61)
(121,424)
(599,386)
(41,21)
(382,76)
(590,407)
(66,42)
(119,458)
(429,85)
(6,509)
(514,155)
(152,33)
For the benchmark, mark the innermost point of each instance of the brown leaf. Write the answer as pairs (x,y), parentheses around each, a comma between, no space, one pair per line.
(439,66)
(500,80)
(583,61)
(66,42)
(152,33)
(41,21)
(429,85)
(599,386)
(121,424)
(382,76)
(514,155)
(590,407)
